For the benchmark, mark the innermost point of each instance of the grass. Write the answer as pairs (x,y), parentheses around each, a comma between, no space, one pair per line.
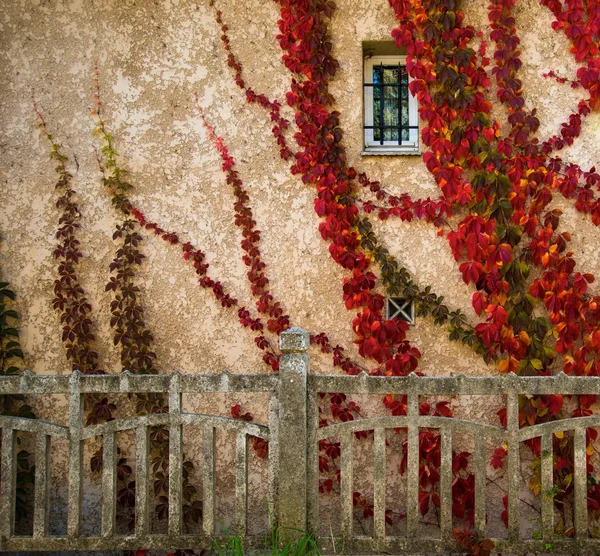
(276,544)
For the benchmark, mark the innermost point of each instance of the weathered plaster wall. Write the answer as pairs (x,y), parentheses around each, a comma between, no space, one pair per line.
(154,57)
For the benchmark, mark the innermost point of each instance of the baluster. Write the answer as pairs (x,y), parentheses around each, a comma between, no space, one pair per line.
(8,485)
(241,482)
(412,504)
(75,455)
(42,484)
(514,471)
(379,479)
(208,480)
(141,481)
(547,485)
(446,485)
(480,476)
(109,483)
(175,455)
(580,480)
(346,448)
(273,462)
(312,495)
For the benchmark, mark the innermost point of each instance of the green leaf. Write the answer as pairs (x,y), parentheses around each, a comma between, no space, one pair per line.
(537,364)
(7,293)
(27,412)
(12,344)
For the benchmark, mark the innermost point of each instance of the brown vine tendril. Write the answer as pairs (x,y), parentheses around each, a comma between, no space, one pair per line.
(132,333)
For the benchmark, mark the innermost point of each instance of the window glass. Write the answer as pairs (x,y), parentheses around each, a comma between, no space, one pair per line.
(390,103)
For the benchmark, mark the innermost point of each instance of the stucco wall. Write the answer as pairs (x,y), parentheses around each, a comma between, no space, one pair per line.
(154,57)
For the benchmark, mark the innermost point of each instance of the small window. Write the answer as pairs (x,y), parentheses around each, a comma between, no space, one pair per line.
(390,110)
(401,309)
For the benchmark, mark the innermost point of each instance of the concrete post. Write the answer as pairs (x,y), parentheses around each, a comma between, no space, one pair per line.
(293,371)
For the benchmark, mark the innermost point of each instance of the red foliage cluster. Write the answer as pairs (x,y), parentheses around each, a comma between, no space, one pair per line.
(505,182)
(321,161)
(403,206)
(510,179)
(580,22)
(260,445)
(277,321)
(466,539)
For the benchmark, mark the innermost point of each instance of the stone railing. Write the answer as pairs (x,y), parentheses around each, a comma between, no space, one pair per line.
(414,386)
(294,434)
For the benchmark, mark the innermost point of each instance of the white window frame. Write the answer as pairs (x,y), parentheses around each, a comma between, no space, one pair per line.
(388,147)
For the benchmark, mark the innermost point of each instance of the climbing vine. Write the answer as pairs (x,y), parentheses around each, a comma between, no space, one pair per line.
(15,404)
(132,334)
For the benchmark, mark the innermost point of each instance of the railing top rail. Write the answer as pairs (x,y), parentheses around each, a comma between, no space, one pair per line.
(126,382)
(459,384)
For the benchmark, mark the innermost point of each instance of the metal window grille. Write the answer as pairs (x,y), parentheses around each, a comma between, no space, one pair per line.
(390,105)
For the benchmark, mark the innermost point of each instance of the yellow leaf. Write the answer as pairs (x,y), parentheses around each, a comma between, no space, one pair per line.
(559,435)
(534,486)
(545,259)
(524,337)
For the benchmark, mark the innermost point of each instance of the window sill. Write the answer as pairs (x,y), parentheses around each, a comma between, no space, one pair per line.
(391,152)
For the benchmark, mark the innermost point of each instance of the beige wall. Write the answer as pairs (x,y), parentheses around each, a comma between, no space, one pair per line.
(154,57)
